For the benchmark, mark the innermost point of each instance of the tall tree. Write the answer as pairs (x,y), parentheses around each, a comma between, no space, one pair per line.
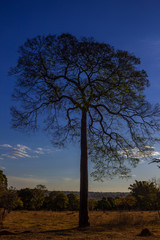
(66,79)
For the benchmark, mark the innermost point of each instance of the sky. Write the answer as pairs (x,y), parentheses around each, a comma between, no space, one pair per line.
(29,159)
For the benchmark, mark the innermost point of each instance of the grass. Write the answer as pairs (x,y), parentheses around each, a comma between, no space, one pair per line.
(45,225)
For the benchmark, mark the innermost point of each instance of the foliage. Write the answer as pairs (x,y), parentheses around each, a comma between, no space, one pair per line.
(127,203)
(103,204)
(25,195)
(3,180)
(39,193)
(33,199)
(56,201)
(9,200)
(73,202)
(111,200)
(143,196)
(147,195)
(8,197)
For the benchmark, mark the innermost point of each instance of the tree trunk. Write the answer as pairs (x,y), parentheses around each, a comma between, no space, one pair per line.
(83,212)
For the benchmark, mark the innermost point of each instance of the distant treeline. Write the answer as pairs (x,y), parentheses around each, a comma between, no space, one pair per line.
(144,195)
(100,195)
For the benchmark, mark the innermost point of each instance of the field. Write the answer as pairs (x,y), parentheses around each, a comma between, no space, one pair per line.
(44,225)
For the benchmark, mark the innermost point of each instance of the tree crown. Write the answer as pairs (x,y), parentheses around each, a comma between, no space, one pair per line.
(61,76)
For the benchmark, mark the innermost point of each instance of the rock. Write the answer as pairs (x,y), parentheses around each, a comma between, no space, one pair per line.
(145,232)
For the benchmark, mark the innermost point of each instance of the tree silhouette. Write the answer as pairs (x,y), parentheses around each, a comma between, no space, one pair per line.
(86,90)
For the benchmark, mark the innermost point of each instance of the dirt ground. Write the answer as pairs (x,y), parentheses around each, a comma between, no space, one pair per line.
(43,225)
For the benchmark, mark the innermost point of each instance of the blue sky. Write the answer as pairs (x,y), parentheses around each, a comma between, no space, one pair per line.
(29,158)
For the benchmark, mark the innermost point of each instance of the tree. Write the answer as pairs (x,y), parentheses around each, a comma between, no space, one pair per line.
(61,201)
(49,200)
(103,204)
(26,195)
(73,202)
(111,200)
(3,192)
(39,193)
(3,180)
(56,201)
(9,200)
(146,194)
(126,203)
(65,79)
(33,199)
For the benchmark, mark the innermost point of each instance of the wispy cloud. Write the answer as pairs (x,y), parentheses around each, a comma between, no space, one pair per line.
(22,151)
(149,151)
(39,150)
(6,146)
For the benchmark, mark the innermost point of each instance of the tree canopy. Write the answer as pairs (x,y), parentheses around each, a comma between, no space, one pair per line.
(147,194)
(83,87)
(59,76)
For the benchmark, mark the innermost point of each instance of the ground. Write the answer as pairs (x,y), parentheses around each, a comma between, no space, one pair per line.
(44,225)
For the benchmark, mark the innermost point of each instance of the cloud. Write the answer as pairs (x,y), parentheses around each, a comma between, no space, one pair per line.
(135,153)
(7,156)
(23,147)
(39,150)
(6,146)
(8,151)
(22,151)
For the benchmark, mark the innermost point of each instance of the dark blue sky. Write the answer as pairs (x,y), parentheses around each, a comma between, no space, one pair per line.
(134,25)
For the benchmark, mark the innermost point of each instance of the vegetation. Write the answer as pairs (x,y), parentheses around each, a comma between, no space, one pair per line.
(144,195)
(147,195)
(9,199)
(55,214)
(99,93)
(58,201)
(44,225)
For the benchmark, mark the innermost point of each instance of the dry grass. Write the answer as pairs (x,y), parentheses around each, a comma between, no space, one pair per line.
(45,225)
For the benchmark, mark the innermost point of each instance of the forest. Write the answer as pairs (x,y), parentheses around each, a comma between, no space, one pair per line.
(143,195)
